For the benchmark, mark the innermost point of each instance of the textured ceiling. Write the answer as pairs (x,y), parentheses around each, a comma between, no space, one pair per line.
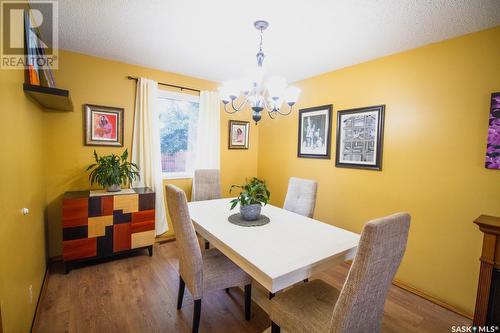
(216,40)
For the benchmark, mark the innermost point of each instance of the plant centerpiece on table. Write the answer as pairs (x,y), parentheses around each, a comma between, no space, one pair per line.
(111,171)
(253,196)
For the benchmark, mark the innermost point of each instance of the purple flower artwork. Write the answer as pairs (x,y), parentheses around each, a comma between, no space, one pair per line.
(493,147)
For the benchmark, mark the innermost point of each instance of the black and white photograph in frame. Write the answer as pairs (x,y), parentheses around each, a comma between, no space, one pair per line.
(315,132)
(359,138)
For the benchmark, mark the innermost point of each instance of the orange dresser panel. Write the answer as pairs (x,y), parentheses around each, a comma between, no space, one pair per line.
(107,205)
(142,226)
(79,248)
(75,212)
(143,216)
(121,237)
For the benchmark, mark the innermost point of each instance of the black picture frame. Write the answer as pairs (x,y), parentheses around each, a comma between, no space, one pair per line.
(363,139)
(302,143)
(118,126)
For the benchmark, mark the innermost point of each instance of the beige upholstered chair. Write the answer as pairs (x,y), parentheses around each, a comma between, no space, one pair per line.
(301,199)
(202,273)
(359,306)
(206,186)
(301,196)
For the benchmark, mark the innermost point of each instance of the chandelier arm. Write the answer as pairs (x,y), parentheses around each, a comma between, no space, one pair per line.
(269,107)
(275,109)
(242,104)
(229,112)
(290,107)
(271,113)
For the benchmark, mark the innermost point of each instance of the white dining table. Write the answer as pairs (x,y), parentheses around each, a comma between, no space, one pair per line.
(287,250)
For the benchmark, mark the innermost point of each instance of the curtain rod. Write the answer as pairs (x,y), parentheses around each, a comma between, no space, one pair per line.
(167,84)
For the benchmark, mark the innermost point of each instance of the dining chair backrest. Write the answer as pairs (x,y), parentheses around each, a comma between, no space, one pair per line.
(301,196)
(206,185)
(190,260)
(360,305)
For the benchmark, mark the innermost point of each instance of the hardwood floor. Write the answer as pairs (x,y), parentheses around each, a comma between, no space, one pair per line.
(139,294)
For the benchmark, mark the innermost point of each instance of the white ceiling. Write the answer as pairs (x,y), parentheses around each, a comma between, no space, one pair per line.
(216,40)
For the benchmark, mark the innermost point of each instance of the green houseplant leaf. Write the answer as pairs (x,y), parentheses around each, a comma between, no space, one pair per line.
(253,192)
(112,170)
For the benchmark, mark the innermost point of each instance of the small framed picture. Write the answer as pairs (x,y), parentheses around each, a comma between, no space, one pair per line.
(359,138)
(315,132)
(103,126)
(238,134)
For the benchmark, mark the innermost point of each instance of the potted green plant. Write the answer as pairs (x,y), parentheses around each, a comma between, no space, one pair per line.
(111,171)
(253,196)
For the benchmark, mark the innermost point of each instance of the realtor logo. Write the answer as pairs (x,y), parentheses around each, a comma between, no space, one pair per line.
(29,35)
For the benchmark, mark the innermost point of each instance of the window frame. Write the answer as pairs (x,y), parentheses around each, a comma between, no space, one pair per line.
(167,94)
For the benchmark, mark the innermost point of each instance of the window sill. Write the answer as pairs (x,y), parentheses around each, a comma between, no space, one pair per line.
(177,175)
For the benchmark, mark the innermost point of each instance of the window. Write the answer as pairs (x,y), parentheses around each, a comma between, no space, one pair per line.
(178,120)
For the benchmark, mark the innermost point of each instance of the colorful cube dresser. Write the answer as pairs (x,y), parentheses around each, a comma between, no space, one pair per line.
(105,225)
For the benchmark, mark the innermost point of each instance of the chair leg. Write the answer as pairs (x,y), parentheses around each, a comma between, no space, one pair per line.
(180,296)
(275,328)
(207,245)
(227,290)
(196,315)
(248,301)
(306,280)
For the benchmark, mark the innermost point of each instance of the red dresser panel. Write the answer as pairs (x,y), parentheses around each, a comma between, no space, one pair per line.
(79,248)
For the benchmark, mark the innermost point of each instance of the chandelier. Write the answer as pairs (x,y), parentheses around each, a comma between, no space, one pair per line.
(259,92)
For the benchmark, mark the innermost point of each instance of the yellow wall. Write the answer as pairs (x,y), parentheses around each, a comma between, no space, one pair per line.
(94,80)
(437,100)
(22,238)
(437,103)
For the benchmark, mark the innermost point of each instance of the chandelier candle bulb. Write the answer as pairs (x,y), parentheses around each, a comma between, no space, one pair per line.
(276,86)
(260,94)
(292,95)
(224,94)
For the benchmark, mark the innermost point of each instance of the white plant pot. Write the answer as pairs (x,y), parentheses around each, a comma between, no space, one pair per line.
(113,188)
(250,212)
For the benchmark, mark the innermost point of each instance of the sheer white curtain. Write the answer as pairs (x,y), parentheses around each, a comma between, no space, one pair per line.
(207,150)
(146,151)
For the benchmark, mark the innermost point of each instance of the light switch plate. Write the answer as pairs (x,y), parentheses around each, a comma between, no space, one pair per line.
(30,293)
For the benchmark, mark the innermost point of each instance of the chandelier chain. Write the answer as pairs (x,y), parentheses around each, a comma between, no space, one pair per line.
(261,37)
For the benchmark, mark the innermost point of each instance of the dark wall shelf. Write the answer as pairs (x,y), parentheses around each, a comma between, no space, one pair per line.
(50,98)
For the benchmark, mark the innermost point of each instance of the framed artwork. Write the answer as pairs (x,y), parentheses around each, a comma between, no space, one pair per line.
(238,134)
(359,138)
(493,146)
(315,132)
(103,126)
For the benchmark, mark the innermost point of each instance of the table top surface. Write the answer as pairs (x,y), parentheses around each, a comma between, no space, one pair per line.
(288,243)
